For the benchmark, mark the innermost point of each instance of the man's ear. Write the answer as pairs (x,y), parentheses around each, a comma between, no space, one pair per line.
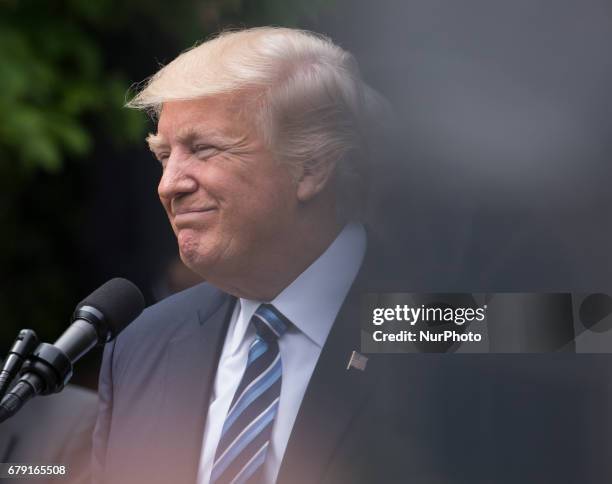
(314,177)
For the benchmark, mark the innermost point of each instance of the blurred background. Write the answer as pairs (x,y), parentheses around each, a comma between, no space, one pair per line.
(494,175)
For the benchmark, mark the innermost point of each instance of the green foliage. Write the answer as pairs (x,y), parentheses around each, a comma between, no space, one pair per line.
(51,76)
(57,97)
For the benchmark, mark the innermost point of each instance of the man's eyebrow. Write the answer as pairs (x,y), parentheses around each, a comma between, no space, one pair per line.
(190,134)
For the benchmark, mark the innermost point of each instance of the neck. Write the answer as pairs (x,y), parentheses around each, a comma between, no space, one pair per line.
(292,255)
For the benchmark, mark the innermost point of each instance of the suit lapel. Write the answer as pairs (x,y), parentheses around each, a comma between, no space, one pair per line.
(191,362)
(333,397)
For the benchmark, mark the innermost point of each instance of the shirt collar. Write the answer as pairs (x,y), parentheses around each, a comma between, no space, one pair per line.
(312,301)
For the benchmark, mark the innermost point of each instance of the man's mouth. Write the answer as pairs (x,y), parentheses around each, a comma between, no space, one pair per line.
(185,211)
(192,216)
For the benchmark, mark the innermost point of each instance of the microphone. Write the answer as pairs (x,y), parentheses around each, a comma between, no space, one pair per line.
(22,348)
(98,319)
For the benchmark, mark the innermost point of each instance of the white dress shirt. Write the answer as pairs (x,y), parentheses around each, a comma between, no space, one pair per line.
(311,302)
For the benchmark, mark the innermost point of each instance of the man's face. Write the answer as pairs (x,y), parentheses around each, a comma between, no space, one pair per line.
(227,199)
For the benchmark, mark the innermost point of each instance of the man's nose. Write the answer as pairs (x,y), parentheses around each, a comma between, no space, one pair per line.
(176,179)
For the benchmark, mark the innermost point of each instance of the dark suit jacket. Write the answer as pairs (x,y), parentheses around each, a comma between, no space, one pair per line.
(406,418)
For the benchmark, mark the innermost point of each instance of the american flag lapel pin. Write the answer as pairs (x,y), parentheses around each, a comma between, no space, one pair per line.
(357,361)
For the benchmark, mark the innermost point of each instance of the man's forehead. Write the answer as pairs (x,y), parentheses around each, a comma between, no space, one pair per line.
(214,119)
(230,103)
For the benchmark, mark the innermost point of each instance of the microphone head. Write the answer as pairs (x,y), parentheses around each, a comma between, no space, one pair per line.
(119,301)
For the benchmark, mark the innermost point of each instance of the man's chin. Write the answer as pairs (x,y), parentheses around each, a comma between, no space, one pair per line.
(200,263)
(190,250)
(191,260)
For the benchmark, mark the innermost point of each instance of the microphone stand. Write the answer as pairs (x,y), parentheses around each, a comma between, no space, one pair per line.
(45,371)
(22,348)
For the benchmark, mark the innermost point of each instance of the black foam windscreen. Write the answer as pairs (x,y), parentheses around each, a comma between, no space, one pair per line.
(119,300)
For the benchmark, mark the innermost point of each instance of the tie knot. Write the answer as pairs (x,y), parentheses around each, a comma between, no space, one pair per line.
(269,323)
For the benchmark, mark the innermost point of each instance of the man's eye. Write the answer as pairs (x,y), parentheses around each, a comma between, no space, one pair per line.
(204,151)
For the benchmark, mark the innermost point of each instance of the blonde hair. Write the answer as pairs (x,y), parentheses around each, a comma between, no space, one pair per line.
(312,106)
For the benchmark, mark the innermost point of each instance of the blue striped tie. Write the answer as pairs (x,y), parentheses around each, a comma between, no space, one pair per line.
(248,425)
